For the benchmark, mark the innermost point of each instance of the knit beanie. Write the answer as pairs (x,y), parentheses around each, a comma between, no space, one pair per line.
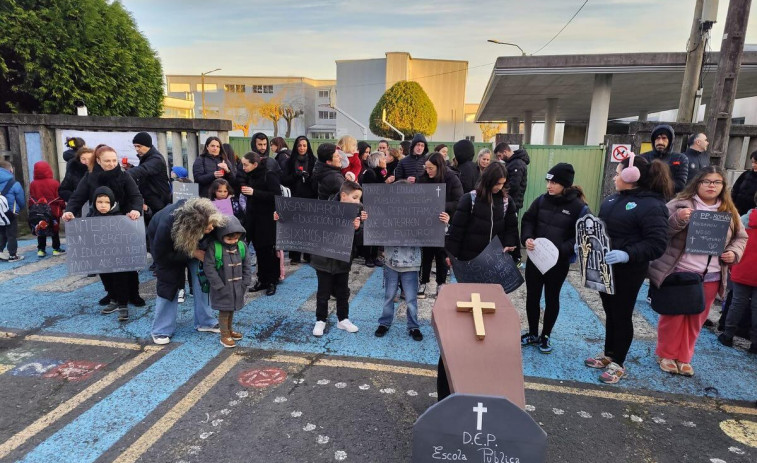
(562,173)
(463,150)
(180,172)
(142,138)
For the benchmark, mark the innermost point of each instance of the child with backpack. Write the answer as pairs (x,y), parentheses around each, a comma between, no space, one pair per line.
(45,208)
(553,216)
(228,271)
(221,189)
(333,275)
(116,284)
(11,203)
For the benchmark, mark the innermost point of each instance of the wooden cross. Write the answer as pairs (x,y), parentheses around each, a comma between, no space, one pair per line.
(479,309)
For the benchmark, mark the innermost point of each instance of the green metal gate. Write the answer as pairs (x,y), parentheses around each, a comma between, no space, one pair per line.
(588,162)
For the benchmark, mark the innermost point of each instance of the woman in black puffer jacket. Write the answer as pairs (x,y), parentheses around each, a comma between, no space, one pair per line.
(553,216)
(213,163)
(436,171)
(298,177)
(76,169)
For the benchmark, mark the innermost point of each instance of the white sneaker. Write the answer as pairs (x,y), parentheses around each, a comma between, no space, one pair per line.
(4,255)
(209,329)
(347,326)
(181,296)
(160,339)
(318,328)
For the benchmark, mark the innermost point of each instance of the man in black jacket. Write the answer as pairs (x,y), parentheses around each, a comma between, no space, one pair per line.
(151,175)
(517,172)
(663,137)
(412,166)
(469,173)
(697,154)
(259,144)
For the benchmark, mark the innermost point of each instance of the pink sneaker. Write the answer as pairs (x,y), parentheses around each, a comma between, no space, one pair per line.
(612,374)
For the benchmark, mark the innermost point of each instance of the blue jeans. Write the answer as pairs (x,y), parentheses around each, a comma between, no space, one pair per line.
(166,310)
(410,286)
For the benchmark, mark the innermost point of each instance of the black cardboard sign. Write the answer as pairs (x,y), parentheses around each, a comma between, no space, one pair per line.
(183,190)
(323,228)
(707,232)
(593,244)
(476,428)
(491,266)
(404,214)
(105,245)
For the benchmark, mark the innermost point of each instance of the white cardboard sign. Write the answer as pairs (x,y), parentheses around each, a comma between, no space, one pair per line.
(544,256)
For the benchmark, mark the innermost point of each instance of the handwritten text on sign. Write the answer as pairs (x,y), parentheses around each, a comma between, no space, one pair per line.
(404,214)
(105,245)
(323,228)
(183,190)
(491,266)
(707,232)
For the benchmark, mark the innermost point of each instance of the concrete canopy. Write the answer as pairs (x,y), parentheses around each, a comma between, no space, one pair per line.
(641,82)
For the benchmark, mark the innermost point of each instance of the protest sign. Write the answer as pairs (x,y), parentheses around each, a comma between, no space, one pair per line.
(707,232)
(183,190)
(593,244)
(323,228)
(493,265)
(106,244)
(403,214)
(544,256)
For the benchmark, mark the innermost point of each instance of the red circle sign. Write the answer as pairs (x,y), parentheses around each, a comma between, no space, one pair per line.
(620,152)
(262,378)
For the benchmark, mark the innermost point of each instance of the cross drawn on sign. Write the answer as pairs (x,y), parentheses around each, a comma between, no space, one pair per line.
(479,309)
(438,190)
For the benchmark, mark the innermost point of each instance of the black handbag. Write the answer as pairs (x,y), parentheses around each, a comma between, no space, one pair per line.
(681,293)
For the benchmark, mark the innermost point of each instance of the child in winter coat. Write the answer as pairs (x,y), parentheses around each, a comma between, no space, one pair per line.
(11,203)
(552,216)
(221,189)
(116,284)
(43,197)
(180,174)
(228,268)
(333,275)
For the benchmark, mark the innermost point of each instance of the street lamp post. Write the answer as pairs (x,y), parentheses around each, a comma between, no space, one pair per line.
(202,84)
(522,53)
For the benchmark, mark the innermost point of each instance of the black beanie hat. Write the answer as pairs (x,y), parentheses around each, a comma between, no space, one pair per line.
(562,173)
(142,138)
(464,150)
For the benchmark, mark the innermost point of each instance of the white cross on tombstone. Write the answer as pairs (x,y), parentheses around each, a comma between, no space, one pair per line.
(480,410)
(438,189)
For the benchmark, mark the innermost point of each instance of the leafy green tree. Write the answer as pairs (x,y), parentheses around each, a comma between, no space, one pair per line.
(54,52)
(408,108)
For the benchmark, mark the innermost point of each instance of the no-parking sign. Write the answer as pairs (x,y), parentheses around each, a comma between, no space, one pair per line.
(619,152)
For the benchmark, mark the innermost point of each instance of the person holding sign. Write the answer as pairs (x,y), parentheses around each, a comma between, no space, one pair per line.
(221,190)
(333,275)
(637,224)
(677,334)
(261,186)
(436,171)
(104,170)
(298,177)
(553,216)
(211,164)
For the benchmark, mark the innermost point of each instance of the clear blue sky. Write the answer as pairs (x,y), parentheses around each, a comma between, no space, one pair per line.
(305,37)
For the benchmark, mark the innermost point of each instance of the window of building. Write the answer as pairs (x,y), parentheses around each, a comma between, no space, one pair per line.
(326,115)
(323,93)
(322,135)
(332,115)
(234,88)
(176,88)
(470,117)
(262,89)
(471,138)
(738,120)
(208,87)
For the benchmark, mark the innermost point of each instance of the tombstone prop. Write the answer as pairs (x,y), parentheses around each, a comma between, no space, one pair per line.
(224,206)
(323,228)
(474,428)
(544,256)
(404,214)
(183,190)
(105,245)
(493,265)
(484,418)
(593,244)
(707,232)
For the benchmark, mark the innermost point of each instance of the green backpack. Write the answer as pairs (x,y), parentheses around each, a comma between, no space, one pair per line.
(218,249)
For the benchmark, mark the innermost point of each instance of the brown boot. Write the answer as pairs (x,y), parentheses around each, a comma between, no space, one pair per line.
(223,322)
(235,335)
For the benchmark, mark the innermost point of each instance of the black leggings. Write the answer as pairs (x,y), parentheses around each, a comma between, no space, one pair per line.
(42,242)
(552,282)
(428,255)
(338,285)
(269,269)
(619,309)
(121,286)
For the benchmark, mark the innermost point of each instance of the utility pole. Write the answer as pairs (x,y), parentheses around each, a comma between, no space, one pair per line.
(720,106)
(691,89)
(202,84)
